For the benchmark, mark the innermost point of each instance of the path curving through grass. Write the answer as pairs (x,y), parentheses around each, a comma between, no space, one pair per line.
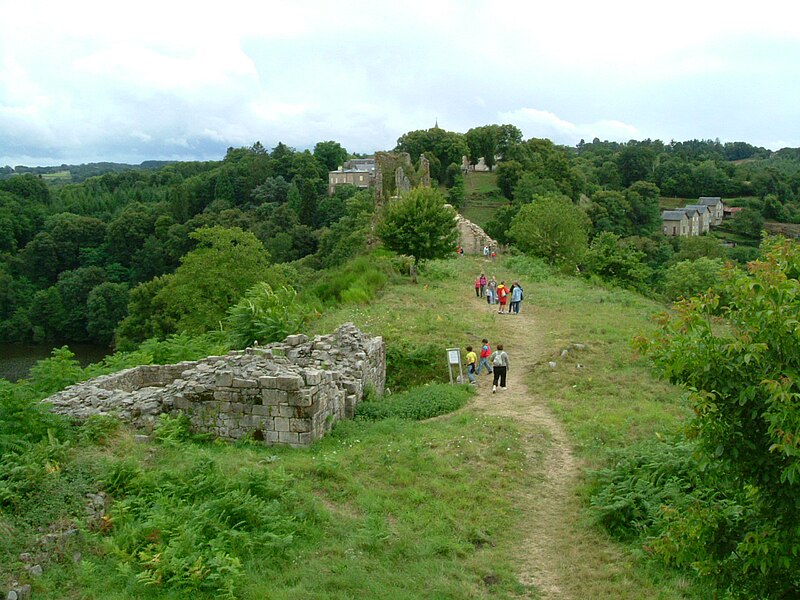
(546,508)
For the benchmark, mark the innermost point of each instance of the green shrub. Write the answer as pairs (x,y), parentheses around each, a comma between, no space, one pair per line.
(355,282)
(53,374)
(172,431)
(412,364)
(416,404)
(267,315)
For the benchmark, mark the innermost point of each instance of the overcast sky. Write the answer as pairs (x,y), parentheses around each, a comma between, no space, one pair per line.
(125,82)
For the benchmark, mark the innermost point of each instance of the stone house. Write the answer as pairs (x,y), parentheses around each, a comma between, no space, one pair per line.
(675,223)
(359,172)
(715,207)
(704,214)
(694,220)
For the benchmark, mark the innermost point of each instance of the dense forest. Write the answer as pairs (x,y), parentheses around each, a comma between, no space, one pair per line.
(108,259)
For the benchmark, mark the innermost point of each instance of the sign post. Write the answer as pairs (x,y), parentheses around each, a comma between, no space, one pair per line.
(454,363)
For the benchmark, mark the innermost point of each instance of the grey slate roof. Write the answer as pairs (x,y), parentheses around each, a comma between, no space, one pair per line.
(710,200)
(701,208)
(672,215)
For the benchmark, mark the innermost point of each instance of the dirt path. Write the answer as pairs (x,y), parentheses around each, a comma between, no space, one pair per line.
(546,508)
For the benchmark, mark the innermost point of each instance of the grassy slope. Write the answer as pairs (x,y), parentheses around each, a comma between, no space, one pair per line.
(481,197)
(425,510)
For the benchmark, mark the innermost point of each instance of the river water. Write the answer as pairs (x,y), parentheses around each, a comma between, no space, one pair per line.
(17,359)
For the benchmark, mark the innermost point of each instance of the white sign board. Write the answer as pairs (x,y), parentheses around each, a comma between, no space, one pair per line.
(453,356)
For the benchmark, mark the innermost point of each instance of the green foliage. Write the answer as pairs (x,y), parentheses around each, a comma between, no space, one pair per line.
(647,481)
(356,282)
(172,431)
(743,383)
(53,374)
(266,315)
(692,277)
(191,527)
(409,363)
(416,404)
(618,261)
(419,225)
(552,227)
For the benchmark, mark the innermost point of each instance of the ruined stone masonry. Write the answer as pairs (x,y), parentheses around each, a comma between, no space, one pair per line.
(471,237)
(290,392)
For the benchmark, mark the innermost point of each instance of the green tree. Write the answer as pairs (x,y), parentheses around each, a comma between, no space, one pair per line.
(508,174)
(743,386)
(419,225)
(617,260)
(552,227)
(106,306)
(748,222)
(692,277)
(195,298)
(331,154)
(266,314)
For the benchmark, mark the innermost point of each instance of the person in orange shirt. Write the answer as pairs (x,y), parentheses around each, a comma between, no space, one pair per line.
(502,296)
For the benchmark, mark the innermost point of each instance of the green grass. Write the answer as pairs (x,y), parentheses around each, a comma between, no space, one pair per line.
(482,197)
(391,509)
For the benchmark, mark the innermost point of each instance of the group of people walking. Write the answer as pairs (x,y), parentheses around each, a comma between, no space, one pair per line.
(508,299)
(496,364)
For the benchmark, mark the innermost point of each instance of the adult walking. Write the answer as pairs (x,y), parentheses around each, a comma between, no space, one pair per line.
(492,287)
(499,360)
(516,298)
(477,287)
(483,284)
(502,297)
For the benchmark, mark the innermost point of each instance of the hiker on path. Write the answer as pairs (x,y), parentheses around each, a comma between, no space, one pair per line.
(485,353)
(500,363)
(472,361)
(502,297)
(492,287)
(477,287)
(486,252)
(516,298)
(483,285)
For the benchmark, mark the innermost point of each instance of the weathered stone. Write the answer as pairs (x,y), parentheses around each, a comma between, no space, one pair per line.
(224,379)
(296,340)
(244,383)
(300,425)
(270,396)
(268,382)
(281,423)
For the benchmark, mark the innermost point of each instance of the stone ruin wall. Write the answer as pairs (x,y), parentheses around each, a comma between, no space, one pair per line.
(290,392)
(471,237)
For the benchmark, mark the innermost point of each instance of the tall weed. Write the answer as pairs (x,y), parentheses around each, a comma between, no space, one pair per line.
(416,404)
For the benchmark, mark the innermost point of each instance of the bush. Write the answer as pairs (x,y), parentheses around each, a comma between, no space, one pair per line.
(267,315)
(356,282)
(416,404)
(408,363)
(691,277)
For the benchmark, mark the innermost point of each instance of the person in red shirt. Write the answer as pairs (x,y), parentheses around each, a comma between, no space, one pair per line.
(486,351)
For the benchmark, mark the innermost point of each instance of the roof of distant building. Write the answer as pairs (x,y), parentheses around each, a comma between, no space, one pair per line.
(701,208)
(690,212)
(672,215)
(710,200)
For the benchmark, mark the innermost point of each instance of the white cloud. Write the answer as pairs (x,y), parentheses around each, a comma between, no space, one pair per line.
(542,123)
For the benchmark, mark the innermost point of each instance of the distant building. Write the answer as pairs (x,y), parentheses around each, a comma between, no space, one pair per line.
(705,216)
(359,172)
(730,211)
(694,220)
(715,206)
(675,223)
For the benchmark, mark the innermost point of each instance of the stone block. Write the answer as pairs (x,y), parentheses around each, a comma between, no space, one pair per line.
(281,423)
(244,383)
(222,396)
(313,377)
(290,382)
(224,379)
(271,437)
(305,439)
(300,398)
(181,403)
(260,409)
(300,425)
(270,396)
(295,340)
(284,410)
(288,437)
(268,381)
(237,408)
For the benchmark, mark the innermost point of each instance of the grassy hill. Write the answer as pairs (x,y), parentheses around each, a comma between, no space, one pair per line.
(481,197)
(386,509)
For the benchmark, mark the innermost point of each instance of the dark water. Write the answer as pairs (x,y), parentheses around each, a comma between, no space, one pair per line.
(17,359)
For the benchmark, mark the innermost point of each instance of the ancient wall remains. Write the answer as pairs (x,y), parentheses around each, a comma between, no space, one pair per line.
(471,237)
(289,392)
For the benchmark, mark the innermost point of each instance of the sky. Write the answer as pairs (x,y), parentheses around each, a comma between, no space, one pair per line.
(86,81)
